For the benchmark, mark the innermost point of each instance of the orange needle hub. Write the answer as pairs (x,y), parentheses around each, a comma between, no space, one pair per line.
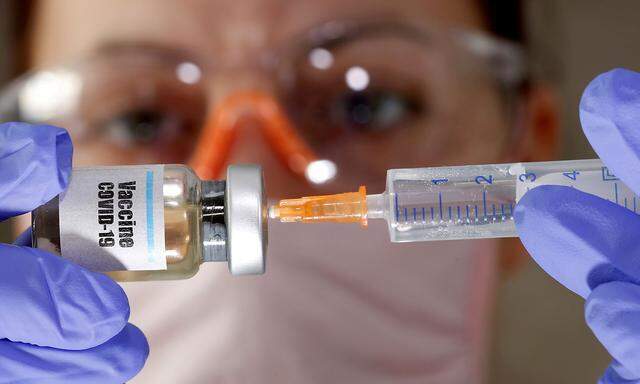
(348,207)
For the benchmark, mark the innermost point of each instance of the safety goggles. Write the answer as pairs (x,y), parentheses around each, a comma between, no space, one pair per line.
(347,100)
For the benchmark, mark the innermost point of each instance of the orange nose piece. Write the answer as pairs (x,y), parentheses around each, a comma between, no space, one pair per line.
(215,142)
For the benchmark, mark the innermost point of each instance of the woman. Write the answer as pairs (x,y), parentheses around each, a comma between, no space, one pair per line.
(135,82)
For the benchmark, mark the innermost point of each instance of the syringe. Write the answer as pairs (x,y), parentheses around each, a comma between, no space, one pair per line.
(462,202)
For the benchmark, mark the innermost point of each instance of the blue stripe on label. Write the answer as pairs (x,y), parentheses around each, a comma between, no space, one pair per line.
(150,227)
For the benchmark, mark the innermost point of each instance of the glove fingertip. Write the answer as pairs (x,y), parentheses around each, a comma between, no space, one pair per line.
(616,373)
(117,360)
(608,114)
(595,306)
(610,300)
(530,199)
(117,297)
(35,166)
(612,311)
(598,94)
(107,309)
(574,236)
(24,239)
(62,304)
(133,353)
(64,157)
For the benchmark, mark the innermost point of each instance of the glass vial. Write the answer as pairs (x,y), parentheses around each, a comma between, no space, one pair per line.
(156,222)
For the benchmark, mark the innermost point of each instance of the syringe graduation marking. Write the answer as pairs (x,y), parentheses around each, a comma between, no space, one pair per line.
(397,208)
(616,192)
(436,216)
(475,213)
(484,202)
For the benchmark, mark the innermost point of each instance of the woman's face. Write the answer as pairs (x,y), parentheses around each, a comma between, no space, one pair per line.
(376,101)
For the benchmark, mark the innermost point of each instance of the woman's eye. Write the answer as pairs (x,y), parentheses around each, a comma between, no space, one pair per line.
(144,126)
(141,126)
(374,110)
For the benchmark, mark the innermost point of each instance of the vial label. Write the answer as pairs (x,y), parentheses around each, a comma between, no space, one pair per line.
(112,218)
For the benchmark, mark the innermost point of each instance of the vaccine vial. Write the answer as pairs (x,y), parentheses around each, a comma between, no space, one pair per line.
(156,222)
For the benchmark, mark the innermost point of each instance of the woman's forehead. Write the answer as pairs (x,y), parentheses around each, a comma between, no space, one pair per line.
(68,29)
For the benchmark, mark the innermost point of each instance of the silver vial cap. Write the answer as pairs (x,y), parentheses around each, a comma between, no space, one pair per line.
(245,211)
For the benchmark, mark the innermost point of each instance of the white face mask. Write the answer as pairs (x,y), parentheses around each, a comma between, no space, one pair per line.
(338,303)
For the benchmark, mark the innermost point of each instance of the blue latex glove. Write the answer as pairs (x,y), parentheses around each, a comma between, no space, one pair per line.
(59,323)
(591,245)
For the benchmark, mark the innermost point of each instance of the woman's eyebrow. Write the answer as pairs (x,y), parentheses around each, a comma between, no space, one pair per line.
(147,48)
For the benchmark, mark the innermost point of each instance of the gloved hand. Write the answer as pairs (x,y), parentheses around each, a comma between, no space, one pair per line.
(591,245)
(59,323)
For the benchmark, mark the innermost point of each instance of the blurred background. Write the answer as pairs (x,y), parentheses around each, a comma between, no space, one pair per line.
(540,335)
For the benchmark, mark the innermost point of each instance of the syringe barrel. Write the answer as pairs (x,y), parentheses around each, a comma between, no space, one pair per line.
(465,202)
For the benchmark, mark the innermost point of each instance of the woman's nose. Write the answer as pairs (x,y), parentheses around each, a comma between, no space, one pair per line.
(250,108)
(251,126)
